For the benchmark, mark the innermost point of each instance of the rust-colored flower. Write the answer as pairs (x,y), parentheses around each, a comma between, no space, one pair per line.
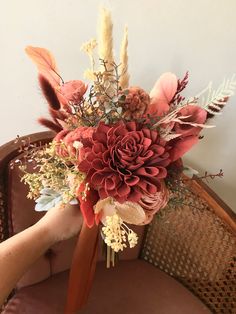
(71,143)
(122,160)
(73,91)
(135,103)
(152,203)
(61,149)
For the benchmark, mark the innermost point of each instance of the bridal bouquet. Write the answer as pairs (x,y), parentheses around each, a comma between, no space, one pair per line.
(117,148)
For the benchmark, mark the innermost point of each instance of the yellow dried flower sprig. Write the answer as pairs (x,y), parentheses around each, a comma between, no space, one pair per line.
(117,233)
(124,75)
(53,172)
(88,48)
(105,43)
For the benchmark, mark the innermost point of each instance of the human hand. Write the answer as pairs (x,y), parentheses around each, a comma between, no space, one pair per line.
(62,222)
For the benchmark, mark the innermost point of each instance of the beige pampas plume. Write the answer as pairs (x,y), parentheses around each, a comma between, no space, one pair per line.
(105,39)
(124,75)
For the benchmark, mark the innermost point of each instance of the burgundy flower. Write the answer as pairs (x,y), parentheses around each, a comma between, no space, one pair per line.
(122,160)
(136,103)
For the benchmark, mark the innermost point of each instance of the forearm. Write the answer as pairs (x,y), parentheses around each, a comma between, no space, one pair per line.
(18,253)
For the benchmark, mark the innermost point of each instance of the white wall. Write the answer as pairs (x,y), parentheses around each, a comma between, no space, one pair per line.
(164,35)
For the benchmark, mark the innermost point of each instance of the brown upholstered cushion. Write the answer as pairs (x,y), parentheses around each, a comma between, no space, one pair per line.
(132,287)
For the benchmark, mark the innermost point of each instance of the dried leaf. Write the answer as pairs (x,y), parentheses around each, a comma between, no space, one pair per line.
(171,136)
(45,63)
(194,124)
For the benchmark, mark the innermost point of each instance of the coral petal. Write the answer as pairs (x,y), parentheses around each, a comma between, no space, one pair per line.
(123,190)
(162,93)
(182,146)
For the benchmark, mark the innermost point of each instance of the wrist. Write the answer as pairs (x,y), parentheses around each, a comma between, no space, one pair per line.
(44,231)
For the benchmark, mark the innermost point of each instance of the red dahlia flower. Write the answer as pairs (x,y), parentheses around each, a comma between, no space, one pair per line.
(122,160)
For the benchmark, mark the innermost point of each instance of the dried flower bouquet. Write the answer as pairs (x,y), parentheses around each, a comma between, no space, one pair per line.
(118,148)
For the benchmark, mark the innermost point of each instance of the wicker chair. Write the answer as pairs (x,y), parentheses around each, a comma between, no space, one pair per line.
(193,249)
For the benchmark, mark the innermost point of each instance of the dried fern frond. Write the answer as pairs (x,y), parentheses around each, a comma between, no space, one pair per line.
(215,100)
(172,115)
